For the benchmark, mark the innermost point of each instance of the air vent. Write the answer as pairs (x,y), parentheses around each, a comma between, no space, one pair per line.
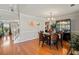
(72,5)
(12,10)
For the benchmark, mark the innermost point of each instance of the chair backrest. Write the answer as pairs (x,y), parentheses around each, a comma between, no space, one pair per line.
(55,36)
(41,37)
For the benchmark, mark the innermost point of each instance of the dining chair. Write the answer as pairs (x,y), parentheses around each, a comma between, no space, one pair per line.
(55,39)
(48,40)
(41,38)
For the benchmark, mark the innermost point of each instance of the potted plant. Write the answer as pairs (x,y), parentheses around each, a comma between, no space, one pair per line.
(53,26)
(74,43)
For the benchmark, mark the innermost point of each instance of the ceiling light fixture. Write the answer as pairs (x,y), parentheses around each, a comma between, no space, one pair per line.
(51,18)
(11,8)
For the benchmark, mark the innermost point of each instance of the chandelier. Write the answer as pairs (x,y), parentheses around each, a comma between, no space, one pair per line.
(51,18)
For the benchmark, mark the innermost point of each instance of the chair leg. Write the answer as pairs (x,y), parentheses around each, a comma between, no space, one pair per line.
(50,44)
(42,43)
(61,44)
(39,42)
(57,46)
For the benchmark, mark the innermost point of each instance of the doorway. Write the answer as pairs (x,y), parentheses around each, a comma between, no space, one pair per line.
(9,31)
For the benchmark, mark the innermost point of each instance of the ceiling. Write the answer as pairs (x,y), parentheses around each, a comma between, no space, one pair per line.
(42,10)
(45,9)
(6,14)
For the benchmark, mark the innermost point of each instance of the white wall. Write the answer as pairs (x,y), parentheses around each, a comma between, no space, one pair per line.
(74,20)
(26,31)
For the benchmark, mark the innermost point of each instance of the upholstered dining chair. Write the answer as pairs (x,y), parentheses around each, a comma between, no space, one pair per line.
(41,38)
(54,39)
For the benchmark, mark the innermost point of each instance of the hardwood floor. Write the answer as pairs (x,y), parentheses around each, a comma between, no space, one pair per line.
(32,47)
